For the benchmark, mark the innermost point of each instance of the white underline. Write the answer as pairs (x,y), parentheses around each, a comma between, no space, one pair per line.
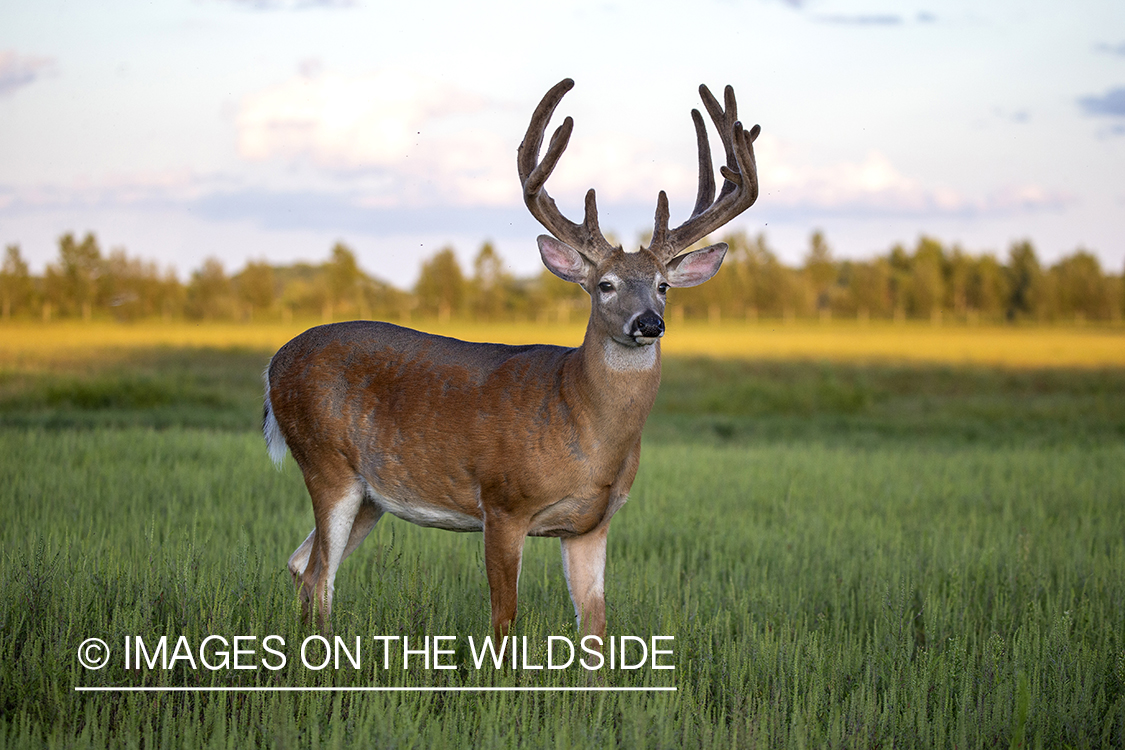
(375,689)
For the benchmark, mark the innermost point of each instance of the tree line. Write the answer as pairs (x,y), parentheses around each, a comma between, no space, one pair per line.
(929,281)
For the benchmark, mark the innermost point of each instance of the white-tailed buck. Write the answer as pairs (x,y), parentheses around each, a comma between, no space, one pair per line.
(508,440)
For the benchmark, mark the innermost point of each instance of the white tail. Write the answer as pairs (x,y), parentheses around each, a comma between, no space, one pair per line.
(509,440)
(275,441)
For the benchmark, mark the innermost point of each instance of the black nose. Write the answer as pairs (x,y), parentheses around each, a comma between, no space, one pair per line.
(649,324)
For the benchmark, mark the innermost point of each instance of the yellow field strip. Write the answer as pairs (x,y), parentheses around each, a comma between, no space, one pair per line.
(1011,346)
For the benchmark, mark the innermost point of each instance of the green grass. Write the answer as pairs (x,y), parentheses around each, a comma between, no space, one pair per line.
(847,556)
(714,401)
(159,387)
(720,401)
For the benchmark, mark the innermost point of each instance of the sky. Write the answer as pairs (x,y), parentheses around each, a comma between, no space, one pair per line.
(271,129)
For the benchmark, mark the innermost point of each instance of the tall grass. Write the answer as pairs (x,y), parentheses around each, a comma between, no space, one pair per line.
(915,595)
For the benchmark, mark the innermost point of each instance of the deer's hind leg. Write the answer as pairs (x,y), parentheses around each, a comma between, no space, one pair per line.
(365,520)
(299,560)
(343,521)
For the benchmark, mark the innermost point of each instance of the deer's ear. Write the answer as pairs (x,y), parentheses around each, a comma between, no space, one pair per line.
(692,269)
(563,260)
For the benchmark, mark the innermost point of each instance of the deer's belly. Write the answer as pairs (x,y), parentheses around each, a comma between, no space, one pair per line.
(422,513)
(573,516)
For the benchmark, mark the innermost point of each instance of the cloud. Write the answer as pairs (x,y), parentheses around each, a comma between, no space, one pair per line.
(342,212)
(420,142)
(138,190)
(1113,49)
(1019,116)
(292,4)
(863,19)
(1112,104)
(417,136)
(626,173)
(17,71)
(396,140)
(324,151)
(875,187)
(623,168)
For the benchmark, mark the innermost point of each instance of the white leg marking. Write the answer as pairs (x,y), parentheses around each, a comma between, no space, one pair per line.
(584,568)
(336,536)
(299,560)
(369,514)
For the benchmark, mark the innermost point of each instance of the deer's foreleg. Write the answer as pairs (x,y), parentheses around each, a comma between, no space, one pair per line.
(503,554)
(584,564)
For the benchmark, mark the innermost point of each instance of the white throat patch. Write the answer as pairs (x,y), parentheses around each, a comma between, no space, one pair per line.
(628,358)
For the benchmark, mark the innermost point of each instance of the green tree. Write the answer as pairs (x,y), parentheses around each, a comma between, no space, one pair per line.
(344,278)
(960,269)
(736,293)
(1121,294)
(1080,287)
(987,291)
(16,288)
(548,292)
(171,295)
(901,266)
(441,285)
(490,285)
(208,292)
(927,278)
(870,288)
(820,271)
(72,282)
(130,287)
(255,286)
(1024,281)
(773,288)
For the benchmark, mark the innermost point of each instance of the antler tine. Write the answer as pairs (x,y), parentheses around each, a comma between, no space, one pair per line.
(724,122)
(740,188)
(706,194)
(586,238)
(660,229)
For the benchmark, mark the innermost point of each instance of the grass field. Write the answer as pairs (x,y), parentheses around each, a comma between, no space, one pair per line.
(851,549)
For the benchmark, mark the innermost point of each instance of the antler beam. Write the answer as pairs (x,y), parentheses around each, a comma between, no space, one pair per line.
(740,188)
(586,237)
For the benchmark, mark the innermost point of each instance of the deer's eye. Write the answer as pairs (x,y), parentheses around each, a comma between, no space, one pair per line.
(662,288)
(605,286)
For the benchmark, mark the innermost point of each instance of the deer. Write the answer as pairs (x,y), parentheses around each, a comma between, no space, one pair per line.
(511,441)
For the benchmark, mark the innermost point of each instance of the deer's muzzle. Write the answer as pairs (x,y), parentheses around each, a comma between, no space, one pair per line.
(648,325)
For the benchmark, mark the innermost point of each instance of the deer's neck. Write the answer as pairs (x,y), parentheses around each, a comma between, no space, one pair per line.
(630,359)
(618,383)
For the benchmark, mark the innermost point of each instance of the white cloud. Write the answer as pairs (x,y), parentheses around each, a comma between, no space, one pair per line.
(875,185)
(622,168)
(429,142)
(117,190)
(419,142)
(292,4)
(416,133)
